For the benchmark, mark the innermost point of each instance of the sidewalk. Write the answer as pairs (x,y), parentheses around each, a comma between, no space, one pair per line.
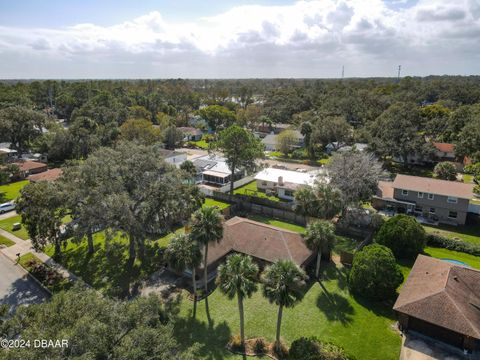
(25,246)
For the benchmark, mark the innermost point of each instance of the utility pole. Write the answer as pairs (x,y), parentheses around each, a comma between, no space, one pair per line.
(398,75)
(343,71)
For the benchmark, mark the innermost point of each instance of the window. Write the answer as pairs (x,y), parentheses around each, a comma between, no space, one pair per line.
(288,193)
(418,209)
(430,197)
(264,183)
(432,210)
(404,192)
(452,214)
(420,195)
(452,200)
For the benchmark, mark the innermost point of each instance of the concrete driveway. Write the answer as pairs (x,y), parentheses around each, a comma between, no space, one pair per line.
(16,288)
(415,347)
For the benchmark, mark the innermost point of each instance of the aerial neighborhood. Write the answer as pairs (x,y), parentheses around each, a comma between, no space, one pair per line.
(256,223)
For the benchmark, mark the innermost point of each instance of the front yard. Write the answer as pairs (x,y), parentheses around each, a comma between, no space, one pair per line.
(7,224)
(6,242)
(467,233)
(11,191)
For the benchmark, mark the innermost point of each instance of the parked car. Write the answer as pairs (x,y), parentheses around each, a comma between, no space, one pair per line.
(6,207)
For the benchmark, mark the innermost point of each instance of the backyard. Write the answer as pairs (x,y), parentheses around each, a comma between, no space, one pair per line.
(467,233)
(252,190)
(11,191)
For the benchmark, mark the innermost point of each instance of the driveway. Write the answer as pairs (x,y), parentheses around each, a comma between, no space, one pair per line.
(415,347)
(16,288)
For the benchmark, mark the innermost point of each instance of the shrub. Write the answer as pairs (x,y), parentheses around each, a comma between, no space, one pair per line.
(375,273)
(313,349)
(445,170)
(403,235)
(455,245)
(476,189)
(260,346)
(282,352)
(236,343)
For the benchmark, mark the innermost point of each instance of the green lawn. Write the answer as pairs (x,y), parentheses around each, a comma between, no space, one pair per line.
(252,190)
(279,223)
(441,253)
(324,161)
(5,241)
(108,269)
(6,224)
(212,202)
(328,311)
(347,244)
(202,144)
(467,178)
(415,170)
(467,233)
(11,191)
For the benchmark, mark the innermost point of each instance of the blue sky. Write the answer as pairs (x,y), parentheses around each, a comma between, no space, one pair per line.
(237,39)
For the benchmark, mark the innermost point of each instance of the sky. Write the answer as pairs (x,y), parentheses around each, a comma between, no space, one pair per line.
(77,39)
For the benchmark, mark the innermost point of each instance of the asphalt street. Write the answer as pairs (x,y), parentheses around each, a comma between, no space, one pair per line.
(16,288)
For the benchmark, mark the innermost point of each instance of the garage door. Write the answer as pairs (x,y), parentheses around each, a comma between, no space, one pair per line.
(437,332)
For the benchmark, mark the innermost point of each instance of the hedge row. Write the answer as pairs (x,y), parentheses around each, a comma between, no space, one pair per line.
(450,244)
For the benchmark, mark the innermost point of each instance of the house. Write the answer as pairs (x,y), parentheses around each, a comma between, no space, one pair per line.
(285,182)
(271,141)
(214,170)
(432,200)
(49,175)
(28,167)
(7,153)
(441,300)
(265,243)
(273,129)
(191,133)
(444,151)
(173,157)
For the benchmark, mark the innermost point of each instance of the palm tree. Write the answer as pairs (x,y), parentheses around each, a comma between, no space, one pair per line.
(320,236)
(183,253)
(283,284)
(238,276)
(329,200)
(206,227)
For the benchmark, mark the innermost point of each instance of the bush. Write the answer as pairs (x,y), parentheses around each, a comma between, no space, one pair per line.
(445,170)
(455,245)
(313,349)
(236,343)
(403,235)
(375,273)
(476,189)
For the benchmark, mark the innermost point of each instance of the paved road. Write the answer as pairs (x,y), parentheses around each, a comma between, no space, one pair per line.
(16,288)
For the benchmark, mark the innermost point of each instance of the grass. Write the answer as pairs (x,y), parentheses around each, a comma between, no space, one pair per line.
(202,144)
(6,224)
(467,178)
(212,202)
(327,311)
(324,161)
(278,223)
(415,170)
(467,233)
(252,190)
(441,253)
(108,269)
(11,191)
(347,244)
(5,241)
(24,261)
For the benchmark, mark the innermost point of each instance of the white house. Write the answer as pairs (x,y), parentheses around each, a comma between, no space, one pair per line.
(271,141)
(173,157)
(213,170)
(285,182)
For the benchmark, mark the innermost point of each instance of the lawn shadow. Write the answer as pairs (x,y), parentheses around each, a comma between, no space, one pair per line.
(335,306)
(333,272)
(211,339)
(379,308)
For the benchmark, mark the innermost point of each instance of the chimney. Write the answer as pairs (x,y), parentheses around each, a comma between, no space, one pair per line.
(280,180)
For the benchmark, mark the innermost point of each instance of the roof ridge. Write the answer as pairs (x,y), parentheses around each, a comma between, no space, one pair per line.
(286,246)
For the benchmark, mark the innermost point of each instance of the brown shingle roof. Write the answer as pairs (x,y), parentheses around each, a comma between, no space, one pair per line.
(444,147)
(259,240)
(30,165)
(443,294)
(49,175)
(434,186)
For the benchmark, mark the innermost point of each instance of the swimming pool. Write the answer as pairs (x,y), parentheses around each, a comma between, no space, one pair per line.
(456,262)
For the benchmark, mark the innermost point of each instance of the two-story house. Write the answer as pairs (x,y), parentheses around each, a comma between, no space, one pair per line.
(431,199)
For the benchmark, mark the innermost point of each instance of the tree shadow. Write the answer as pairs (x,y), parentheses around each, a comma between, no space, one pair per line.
(335,306)
(23,291)
(379,308)
(339,274)
(211,339)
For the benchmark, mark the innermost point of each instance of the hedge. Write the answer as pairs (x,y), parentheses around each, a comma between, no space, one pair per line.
(436,240)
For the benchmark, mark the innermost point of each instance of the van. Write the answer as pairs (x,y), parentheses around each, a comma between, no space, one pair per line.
(10,206)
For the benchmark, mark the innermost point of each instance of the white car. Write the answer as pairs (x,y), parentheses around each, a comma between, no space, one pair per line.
(10,206)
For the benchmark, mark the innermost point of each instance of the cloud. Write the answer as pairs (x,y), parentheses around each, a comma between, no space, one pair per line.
(304,39)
